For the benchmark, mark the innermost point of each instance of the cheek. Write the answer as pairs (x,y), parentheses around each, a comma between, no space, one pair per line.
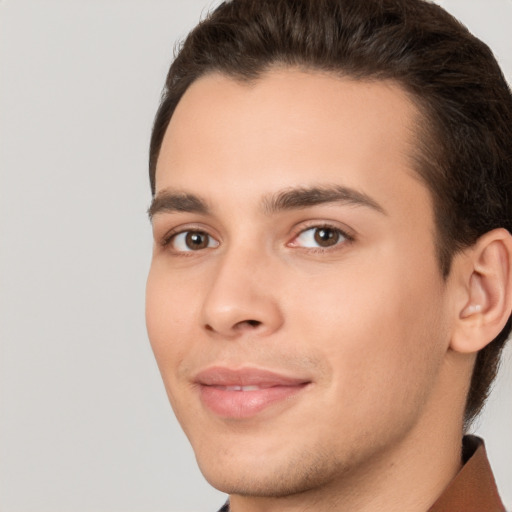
(170,312)
(170,319)
(380,332)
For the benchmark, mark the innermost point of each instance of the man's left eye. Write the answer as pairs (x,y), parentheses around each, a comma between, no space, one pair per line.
(323,237)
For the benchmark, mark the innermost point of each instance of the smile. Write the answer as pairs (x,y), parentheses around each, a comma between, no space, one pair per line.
(240,394)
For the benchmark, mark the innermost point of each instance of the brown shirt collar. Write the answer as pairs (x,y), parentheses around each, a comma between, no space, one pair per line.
(474,488)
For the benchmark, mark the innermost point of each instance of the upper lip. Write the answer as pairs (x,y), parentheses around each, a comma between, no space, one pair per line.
(222,376)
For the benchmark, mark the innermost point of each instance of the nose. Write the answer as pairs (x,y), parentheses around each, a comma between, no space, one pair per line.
(241,298)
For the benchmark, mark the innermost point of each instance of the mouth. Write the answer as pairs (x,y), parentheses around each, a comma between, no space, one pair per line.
(243,393)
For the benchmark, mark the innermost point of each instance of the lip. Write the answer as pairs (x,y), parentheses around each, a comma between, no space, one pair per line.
(245,392)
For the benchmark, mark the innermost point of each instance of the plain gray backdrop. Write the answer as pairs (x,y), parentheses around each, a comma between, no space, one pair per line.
(84,420)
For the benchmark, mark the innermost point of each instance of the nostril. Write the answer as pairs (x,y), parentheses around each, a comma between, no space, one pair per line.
(239,325)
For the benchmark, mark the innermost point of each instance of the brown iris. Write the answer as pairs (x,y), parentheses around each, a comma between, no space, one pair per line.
(325,237)
(196,240)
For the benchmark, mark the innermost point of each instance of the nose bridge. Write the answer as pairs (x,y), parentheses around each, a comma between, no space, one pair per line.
(241,296)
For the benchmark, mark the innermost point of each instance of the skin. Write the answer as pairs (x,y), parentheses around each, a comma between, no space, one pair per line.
(367,321)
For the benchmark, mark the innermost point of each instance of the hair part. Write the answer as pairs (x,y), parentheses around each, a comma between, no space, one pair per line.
(464,152)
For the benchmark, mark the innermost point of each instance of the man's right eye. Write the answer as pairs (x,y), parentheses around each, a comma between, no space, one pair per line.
(188,241)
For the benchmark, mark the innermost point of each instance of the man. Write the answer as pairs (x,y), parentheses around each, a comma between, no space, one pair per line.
(331,280)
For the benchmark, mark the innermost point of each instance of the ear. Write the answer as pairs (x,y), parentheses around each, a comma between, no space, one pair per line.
(486,302)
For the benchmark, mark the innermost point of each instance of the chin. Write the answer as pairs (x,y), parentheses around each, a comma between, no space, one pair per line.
(271,476)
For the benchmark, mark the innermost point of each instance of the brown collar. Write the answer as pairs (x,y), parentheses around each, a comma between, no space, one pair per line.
(474,488)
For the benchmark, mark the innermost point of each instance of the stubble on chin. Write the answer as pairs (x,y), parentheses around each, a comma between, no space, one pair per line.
(300,474)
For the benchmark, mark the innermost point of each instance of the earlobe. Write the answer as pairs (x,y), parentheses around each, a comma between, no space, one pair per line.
(488,297)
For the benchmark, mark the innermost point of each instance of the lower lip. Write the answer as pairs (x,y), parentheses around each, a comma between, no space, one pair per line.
(244,404)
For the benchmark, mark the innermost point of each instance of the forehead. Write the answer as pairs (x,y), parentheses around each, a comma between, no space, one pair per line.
(289,128)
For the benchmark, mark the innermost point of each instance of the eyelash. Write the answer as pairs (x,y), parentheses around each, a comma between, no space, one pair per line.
(346,238)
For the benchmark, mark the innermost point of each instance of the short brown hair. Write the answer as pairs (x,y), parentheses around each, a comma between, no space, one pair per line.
(465,141)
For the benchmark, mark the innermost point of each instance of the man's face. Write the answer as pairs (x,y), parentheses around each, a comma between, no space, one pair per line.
(294,302)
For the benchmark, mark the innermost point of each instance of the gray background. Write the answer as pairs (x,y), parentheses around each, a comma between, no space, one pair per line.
(84,421)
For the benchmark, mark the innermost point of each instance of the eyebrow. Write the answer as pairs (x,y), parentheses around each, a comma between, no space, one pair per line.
(290,199)
(174,202)
(306,197)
